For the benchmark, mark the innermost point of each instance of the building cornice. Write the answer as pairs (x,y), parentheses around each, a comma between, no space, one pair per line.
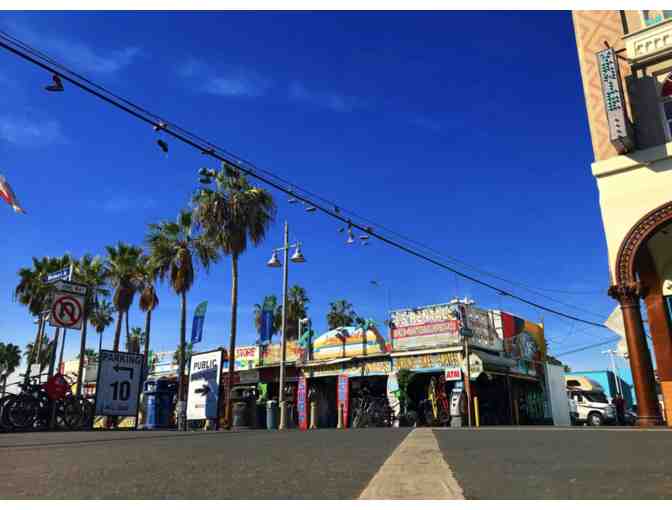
(631,161)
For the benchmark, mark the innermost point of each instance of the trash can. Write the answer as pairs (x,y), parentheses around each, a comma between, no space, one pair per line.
(158,402)
(261,416)
(271,415)
(240,414)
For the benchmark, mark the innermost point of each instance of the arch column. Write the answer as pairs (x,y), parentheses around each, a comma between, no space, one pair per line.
(628,296)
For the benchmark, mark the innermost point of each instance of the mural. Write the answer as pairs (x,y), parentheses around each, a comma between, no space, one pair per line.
(524,341)
(350,341)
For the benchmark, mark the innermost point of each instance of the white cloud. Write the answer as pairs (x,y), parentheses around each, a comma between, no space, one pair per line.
(233,83)
(81,56)
(25,131)
(330,100)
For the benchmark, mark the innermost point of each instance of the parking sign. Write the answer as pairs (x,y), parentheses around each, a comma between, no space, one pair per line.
(118,386)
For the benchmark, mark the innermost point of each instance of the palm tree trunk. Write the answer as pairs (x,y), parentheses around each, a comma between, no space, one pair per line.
(82,349)
(117,331)
(181,388)
(232,343)
(148,323)
(37,344)
(100,344)
(127,330)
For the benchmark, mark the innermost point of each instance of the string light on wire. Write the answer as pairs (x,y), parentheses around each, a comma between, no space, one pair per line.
(38,58)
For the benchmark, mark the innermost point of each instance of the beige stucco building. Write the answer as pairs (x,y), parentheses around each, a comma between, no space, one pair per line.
(630,119)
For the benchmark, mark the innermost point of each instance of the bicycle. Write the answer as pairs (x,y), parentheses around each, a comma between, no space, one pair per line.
(371,411)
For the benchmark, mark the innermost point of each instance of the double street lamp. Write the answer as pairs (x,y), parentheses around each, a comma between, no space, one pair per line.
(298,258)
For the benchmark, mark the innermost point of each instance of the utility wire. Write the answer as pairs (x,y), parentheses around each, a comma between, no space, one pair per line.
(23,51)
(586,347)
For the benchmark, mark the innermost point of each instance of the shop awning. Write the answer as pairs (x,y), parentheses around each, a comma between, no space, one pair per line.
(491,360)
(325,362)
(399,354)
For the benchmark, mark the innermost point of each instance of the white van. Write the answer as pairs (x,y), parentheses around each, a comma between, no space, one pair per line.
(592,404)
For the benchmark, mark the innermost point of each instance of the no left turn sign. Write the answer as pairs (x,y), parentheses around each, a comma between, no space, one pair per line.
(67,311)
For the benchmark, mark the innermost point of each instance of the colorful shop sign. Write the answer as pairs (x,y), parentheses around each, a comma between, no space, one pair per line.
(348,342)
(270,354)
(428,361)
(343,398)
(247,358)
(428,326)
(480,324)
(301,402)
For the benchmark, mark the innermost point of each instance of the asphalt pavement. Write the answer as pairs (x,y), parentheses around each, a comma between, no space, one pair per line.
(251,464)
(560,463)
(497,463)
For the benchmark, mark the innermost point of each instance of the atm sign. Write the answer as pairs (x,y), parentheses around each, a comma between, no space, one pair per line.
(453,374)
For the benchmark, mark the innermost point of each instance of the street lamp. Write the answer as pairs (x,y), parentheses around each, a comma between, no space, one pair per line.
(298,258)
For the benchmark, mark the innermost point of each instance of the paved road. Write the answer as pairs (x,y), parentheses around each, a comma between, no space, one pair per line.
(505,463)
(321,464)
(573,463)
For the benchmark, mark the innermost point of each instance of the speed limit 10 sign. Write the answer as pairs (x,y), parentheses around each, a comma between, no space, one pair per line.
(118,385)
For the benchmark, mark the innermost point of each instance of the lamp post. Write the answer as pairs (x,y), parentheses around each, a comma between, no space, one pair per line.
(297,257)
(614,368)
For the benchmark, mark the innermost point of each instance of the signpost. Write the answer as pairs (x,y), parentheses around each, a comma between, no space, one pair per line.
(118,384)
(205,371)
(301,397)
(343,397)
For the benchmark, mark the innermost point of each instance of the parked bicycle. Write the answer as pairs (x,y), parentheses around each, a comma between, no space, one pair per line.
(32,408)
(369,411)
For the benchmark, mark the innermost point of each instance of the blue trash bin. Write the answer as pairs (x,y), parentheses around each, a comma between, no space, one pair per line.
(158,403)
(271,415)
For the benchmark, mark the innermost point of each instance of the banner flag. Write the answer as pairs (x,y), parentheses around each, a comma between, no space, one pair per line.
(7,194)
(199,320)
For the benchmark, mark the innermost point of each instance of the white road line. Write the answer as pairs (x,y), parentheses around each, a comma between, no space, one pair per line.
(415,470)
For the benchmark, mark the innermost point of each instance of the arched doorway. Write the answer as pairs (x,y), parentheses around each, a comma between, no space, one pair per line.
(642,267)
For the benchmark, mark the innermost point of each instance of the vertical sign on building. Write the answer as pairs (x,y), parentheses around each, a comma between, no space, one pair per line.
(620,132)
(301,395)
(204,380)
(343,397)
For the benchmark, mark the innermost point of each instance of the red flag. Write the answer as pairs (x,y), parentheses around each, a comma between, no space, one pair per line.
(7,194)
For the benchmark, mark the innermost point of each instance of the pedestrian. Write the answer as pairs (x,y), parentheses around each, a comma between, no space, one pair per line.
(619,404)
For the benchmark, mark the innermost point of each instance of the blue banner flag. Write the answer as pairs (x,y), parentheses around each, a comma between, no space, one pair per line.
(266,326)
(199,320)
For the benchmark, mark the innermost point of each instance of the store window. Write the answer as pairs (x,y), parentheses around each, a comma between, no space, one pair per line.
(666,105)
(653,17)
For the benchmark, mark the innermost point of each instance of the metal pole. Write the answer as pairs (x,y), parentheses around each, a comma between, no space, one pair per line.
(465,325)
(82,347)
(60,357)
(52,360)
(615,371)
(285,271)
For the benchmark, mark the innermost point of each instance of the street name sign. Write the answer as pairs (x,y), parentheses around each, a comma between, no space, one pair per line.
(67,310)
(204,376)
(72,288)
(118,385)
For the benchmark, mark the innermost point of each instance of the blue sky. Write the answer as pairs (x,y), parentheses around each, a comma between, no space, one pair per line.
(465,131)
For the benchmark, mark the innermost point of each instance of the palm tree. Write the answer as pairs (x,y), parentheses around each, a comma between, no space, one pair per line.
(100,319)
(297,308)
(270,302)
(174,249)
(232,213)
(148,298)
(33,292)
(187,353)
(134,340)
(341,314)
(10,359)
(90,355)
(46,349)
(122,267)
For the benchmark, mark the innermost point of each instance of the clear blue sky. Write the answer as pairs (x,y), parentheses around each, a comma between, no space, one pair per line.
(466,131)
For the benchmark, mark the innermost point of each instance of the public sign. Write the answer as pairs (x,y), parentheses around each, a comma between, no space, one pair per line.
(199,320)
(67,311)
(204,376)
(453,374)
(343,396)
(301,403)
(118,384)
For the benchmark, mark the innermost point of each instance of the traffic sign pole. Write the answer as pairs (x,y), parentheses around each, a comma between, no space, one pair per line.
(82,348)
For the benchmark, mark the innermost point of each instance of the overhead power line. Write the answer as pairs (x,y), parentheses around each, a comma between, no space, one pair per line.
(586,347)
(47,63)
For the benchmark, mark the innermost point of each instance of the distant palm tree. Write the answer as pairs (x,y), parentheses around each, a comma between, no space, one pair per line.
(188,351)
(122,267)
(100,319)
(44,355)
(297,308)
(90,355)
(174,249)
(272,303)
(134,340)
(148,297)
(341,314)
(10,359)
(232,213)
